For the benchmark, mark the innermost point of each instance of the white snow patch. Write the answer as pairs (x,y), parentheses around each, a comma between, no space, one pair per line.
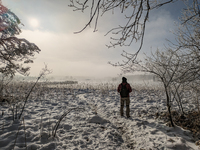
(97,126)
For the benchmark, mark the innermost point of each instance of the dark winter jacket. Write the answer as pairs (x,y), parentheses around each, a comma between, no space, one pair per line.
(127,86)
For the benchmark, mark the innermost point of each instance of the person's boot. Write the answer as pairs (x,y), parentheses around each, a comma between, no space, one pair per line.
(127,111)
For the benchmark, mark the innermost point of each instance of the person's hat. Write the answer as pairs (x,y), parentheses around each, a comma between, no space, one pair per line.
(124,79)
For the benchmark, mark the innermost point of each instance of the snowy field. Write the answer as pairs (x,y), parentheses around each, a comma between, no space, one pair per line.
(86,117)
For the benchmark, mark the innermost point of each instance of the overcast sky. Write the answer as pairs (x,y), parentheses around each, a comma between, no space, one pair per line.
(51,24)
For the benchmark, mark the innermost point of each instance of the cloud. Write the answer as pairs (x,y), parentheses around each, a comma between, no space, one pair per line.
(85,54)
(82,54)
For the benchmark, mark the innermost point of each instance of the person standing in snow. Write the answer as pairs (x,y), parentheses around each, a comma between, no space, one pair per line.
(124,89)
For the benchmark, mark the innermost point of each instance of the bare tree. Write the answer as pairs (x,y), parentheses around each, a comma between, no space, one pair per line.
(175,70)
(188,43)
(164,65)
(134,29)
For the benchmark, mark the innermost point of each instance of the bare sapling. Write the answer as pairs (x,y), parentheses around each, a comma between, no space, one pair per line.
(44,72)
(55,128)
(164,66)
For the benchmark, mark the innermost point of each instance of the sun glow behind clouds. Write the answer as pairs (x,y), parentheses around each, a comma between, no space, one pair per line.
(34,22)
(63,50)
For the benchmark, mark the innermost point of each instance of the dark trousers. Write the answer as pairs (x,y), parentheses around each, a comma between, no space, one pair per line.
(127,101)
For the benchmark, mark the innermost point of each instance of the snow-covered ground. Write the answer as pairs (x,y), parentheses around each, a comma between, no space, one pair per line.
(87,118)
